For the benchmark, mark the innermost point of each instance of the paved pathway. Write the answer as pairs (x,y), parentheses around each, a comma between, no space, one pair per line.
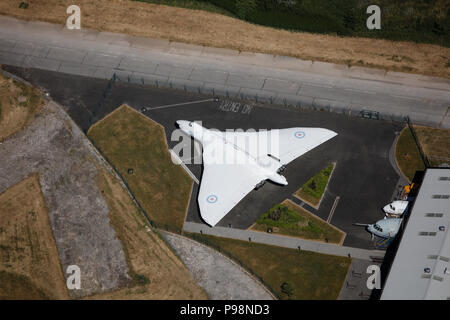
(222,278)
(282,80)
(283,241)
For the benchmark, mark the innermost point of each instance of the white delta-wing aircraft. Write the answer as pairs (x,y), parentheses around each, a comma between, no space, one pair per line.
(235,163)
(384,228)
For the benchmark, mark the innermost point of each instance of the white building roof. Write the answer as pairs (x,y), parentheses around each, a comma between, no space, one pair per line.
(421,267)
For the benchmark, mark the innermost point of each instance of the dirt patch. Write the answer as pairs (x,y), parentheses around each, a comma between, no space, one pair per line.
(216,30)
(29,260)
(18,105)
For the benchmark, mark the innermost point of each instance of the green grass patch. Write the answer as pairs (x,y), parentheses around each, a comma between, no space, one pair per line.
(292,274)
(313,190)
(408,155)
(290,219)
(137,148)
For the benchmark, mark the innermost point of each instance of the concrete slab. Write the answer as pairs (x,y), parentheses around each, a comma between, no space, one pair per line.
(258,95)
(149,79)
(26,48)
(41,63)
(218,52)
(329,68)
(288,99)
(168,70)
(246,81)
(364,73)
(114,38)
(102,60)
(186,85)
(12,59)
(138,65)
(221,90)
(77,68)
(283,86)
(185,49)
(208,75)
(40,51)
(150,44)
(64,54)
(6,44)
(291,63)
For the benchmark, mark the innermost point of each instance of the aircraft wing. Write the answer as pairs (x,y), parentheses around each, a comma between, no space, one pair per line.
(295,142)
(223,185)
(284,144)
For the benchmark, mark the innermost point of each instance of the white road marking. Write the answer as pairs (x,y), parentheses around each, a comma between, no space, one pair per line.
(177,159)
(179,104)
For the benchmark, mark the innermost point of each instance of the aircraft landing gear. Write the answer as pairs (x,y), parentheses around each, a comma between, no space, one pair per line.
(259,185)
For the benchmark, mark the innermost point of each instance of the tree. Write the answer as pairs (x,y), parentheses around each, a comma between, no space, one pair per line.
(244,7)
(288,289)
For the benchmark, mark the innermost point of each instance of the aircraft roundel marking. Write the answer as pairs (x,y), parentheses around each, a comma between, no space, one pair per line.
(211,198)
(299,134)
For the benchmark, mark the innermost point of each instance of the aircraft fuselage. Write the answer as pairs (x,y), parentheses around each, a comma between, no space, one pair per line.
(266,166)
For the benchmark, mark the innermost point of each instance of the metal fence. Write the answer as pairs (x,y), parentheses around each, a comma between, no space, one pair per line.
(416,140)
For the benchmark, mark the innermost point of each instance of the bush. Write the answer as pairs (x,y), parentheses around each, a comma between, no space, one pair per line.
(288,289)
(245,7)
(408,20)
(141,279)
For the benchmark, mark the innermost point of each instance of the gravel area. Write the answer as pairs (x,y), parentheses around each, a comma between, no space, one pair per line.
(221,277)
(53,146)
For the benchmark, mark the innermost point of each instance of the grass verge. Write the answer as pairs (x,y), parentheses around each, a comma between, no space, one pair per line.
(312,191)
(29,260)
(292,274)
(18,105)
(137,147)
(407,154)
(290,219)
(218,30)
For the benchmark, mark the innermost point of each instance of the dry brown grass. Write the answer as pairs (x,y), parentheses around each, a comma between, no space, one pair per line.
(216,30)
(18,105)
(131,140)
(29,260)
(148,256)
(434,141)
(435,144)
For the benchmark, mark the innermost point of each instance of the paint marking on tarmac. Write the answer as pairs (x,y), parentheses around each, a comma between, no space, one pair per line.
(333,208)
(179,104)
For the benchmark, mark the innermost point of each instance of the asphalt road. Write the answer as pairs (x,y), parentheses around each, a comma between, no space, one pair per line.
(363,179)
(224,71)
